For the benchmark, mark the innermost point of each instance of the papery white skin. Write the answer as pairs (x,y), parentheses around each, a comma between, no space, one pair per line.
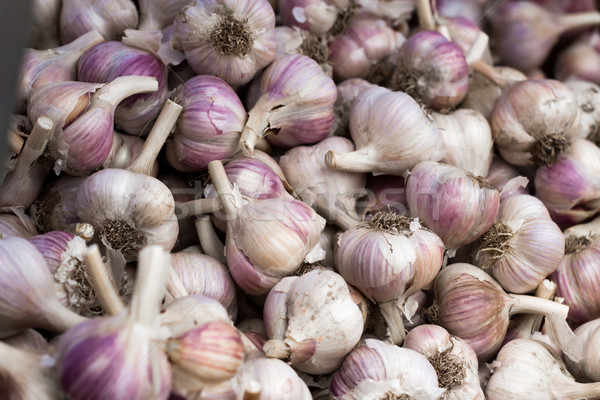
(587,123)
(332,193)
(529,370)
(316,16)
(439,194)
(142,202)
(483,93)
(391,133)
(277,380)
(318,295)
(378,370)
(533,249)
(464,32)
(109,17)
(431,340)
(185,313)
(196,23)
(467,140)
(529,112)
(587,369)
(571,187)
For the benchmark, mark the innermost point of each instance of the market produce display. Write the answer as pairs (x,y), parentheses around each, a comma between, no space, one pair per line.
(303,200)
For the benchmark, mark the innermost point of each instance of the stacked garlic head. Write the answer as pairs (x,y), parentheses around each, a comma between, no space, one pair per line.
(389,259)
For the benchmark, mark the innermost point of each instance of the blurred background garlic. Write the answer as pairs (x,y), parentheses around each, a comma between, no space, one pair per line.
(20,226)
(43,32)
(580,60)
(231,40)
(157,14)
(586,369)
(316,16)
(55,209)
(587,121)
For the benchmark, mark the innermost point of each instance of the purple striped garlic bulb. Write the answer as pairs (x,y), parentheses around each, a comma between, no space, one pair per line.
(295,106)
(230,39)
(110,60)
(294,312)
(389,259)
(580,60)
(432,69)
(380,370)
(453,359)
(390,141)
(54,209)
(469,9)
(398,10)
(316,16)
(210,124)
(109,17)
(332,193)
(570,188)
(455,204)
(42,67)
(523,246)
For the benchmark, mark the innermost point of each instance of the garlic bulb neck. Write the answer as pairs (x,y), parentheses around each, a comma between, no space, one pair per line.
(230,36)
(577,244)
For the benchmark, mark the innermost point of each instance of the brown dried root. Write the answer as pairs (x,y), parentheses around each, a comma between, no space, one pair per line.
(545,150)
(495,242)
(576,244)
(231,36)
(449,368)
(122,237)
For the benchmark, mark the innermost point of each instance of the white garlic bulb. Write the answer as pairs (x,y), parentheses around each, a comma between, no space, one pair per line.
(588,109)
(587,369)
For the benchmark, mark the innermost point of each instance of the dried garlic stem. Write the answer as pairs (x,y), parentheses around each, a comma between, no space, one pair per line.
(525,304)
(223,188)
(488,72)
(578,20)
(252,390)
(102,281)
(201,206)
(546,290)
(477,48)
(426,21)
(209,241)
(153,270)
(356,161)
(393,318)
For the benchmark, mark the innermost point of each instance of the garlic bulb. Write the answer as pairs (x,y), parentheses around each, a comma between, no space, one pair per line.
(580,60)
(588,103)
(470,9)
(483,93)
(432,69)
(295,105)
(275,380)
(531,121)
(588,228)
(43,30)
(27,374)
(347,91)
(293,312)
(384,193)
(500,173)
(367,40)
(464,33)
(130,210)
(570,188)
(388,259)
(399,10)
(19,226)
(23,184)
(453,360)
(577,275)
(529,370)
(316,16)
(378,370)
(28,298)
(467,139)
(388,143)
(29,339)
(440,195)
(110,60)
(586,369)
(42,67)
(228,39)
(134,366)
(297,41)
(202,274)
(332,193)
(54,209)
(210,124)
(266,239)
(523,246)
(109,17)
(525,33)
(157,14)
(186,313)
(473,306)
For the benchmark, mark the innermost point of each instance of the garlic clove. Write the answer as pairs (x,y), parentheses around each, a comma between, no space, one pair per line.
(586,370)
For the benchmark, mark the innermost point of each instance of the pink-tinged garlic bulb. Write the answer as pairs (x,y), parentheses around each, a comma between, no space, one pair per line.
(135,366)
(332,193)
(398,10)
(19,128)
(158,14)
(531,121)
(109,17)
(455,204)
(210,124)
(316,16)
(270,379)
(43,29)
(467,140)
(473,306)
(384,193)
(577,275)
(571,187)
(228,39)
(387,142)
(483,93)
(587,121)
(389,259)
(83,114)
(295,105)
(187,313)
(267,239)
(367,40)
(586,370)
(581,60)
(110,60)
(380,370)
(454,361)
(297,41)
(347,91)
(525,33)
(19,226)
(464,32)
(527,369)
(28,299)
(202,274)
(42,67)
(125,149)
(523,246)
(55,209)
(293,313)
(473,10)
(501,172)
(432,69)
